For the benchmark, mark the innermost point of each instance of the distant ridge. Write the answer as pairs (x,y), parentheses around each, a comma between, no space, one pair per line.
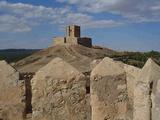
(13,55)
(13,49)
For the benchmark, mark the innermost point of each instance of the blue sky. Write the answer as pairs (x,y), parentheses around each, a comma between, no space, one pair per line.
(132,25)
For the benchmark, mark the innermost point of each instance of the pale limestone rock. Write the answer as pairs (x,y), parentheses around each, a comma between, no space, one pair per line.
(11,106)
(150,72)
(113,68)
(59,93)
(155,97)
(142,102)
(94,63)
(155,91)
(146,94)
(108,91)
(131,75)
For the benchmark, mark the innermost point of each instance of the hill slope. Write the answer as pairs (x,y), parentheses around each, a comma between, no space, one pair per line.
(78,56)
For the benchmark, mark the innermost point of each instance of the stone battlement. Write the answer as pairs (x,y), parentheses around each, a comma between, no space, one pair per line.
(73,36)
(112,90)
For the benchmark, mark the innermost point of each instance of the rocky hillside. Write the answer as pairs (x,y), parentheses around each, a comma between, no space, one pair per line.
(78,56)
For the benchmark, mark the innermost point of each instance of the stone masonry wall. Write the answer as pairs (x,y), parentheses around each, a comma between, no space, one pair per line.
(58,91)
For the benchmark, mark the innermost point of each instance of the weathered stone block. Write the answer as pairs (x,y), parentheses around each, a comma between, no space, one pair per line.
(11,93)
(59,93)
(131,75)
(108,91)
(59,40)
(146,94)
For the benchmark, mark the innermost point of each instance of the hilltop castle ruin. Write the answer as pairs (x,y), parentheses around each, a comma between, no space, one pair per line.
(73,36)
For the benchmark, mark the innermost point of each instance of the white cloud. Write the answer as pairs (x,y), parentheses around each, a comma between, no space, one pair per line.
(11,23)
(104,24)
(133,10)
(87,21)
(20,17)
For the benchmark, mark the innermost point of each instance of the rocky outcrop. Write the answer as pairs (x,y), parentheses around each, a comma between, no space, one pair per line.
(59,93)
(146,94)
(11,93)
(108,91)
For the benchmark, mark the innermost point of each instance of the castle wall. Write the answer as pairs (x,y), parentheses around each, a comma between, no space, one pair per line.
(108,91)
(11,93)
(113,91)
(59,40)
(73,34)
(73,31)
(72,40)
(146,93)
(85,41)
(60,94)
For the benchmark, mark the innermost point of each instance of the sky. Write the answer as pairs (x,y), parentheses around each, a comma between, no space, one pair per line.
(126,25)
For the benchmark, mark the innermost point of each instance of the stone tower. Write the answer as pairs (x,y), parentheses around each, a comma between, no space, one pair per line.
(73,31)
(73,37)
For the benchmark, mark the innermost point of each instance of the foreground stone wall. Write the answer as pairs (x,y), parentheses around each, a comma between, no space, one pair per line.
(11,94)
(156,101)
(59,93)
(131,76)
(108,91)
(146,94)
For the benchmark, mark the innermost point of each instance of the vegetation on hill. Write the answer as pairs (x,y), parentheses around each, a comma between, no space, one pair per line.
(138,59)
(13,55)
